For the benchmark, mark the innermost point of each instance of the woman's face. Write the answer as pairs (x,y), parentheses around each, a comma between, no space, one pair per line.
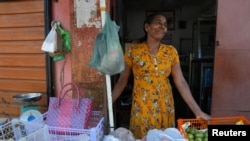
(157,28)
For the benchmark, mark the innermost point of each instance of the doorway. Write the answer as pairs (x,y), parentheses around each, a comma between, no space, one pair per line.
(184,35)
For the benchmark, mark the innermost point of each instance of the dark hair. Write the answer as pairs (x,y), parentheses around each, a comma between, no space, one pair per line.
(150,17)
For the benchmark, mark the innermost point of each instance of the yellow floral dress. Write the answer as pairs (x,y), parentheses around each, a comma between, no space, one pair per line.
(153,103)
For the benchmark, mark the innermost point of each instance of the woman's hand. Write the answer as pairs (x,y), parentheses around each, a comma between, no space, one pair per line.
(203,116)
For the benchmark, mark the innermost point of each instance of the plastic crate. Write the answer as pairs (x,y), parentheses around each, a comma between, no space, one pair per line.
(95,131)
(17,130)
(203,124)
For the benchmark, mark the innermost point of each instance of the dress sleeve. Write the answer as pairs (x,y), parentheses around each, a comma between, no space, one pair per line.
(175,55)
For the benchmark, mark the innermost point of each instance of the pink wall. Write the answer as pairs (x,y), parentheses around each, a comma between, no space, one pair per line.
(61,12)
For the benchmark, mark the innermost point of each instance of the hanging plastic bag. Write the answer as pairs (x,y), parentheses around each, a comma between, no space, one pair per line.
(108,54)
(50,42)
(58,41)
(63,43)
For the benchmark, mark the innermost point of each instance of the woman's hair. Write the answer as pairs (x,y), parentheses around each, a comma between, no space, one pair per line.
(148,20)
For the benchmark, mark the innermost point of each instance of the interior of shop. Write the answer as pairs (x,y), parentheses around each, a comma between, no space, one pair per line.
(192,25)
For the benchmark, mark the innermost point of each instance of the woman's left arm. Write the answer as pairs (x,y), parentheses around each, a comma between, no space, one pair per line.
(185,92)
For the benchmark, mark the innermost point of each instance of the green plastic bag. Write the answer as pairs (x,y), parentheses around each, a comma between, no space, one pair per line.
(108,54)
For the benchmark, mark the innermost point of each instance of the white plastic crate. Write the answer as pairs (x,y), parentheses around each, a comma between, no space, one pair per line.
(95,131)
(17,130)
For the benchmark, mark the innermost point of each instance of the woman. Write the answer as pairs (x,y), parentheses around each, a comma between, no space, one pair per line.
(151,63)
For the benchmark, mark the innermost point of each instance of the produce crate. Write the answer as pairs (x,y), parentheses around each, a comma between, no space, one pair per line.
(201,124)
(95,131)
(17,130)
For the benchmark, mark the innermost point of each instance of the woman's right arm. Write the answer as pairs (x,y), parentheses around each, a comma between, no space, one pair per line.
(121,83)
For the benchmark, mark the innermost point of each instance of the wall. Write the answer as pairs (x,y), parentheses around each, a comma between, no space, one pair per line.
(22,63)
(82,19)
(61,12)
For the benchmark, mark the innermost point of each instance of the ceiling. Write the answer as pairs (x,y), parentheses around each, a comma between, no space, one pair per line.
(164,4)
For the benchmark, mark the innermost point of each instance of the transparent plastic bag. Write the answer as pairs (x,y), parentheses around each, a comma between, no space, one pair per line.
(108,54)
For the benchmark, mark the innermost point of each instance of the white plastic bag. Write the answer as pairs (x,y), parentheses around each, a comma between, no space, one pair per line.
(50,42)
(169,134)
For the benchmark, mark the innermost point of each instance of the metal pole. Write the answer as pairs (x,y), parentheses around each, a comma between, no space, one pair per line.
(108,81)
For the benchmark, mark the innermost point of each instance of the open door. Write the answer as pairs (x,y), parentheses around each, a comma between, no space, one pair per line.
(231,62)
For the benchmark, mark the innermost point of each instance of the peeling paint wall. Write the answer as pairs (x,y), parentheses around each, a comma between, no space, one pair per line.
(83,19)
(86,13)
(86,24)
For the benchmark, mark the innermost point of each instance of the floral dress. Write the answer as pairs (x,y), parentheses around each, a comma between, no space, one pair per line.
(153,103)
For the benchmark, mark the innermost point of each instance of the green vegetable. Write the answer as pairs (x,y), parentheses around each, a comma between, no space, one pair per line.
(198,135)
(194,134)
(190,136)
